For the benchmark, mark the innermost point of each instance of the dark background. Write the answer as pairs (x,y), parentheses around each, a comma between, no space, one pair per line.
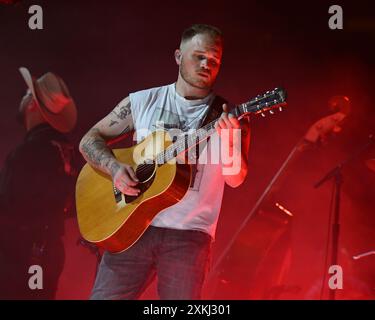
(106,49)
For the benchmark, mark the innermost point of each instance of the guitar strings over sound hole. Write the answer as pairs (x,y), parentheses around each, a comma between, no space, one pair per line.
(145,171)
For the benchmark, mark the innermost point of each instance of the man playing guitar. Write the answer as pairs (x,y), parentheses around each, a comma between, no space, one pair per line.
(177,245)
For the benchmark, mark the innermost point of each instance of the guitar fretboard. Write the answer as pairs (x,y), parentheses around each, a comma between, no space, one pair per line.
(268,101)
(188,141)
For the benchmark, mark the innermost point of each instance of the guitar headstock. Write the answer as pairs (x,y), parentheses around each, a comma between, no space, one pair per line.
(270,100)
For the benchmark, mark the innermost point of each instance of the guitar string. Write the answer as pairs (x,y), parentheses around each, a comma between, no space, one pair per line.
(169,153)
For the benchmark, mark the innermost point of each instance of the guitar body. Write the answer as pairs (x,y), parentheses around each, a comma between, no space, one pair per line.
(116,222)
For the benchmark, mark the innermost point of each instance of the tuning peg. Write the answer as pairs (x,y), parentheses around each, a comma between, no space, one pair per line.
(263,115)
(280,108)
(271,112)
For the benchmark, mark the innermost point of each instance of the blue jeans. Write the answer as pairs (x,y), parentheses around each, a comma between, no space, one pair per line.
(179,258)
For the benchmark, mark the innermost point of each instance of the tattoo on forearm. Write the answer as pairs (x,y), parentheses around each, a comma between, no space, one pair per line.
(113,122)
(114,167)
(123,111)
(96,152)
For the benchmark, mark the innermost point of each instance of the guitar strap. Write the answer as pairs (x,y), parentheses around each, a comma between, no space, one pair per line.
(216,109)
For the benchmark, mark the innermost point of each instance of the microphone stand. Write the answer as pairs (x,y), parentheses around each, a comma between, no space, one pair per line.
(336,174)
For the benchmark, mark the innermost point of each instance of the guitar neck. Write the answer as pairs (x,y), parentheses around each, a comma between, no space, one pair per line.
(261,103)
(187,141)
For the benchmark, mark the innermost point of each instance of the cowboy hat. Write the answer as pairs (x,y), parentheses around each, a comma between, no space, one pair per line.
(53,100)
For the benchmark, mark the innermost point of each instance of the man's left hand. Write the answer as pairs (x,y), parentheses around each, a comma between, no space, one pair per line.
(227,121)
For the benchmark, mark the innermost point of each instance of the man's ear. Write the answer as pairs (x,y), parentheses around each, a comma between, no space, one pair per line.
(177,56)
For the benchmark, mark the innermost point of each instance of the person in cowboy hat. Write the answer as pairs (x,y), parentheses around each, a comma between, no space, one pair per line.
(47,100)
(35,185)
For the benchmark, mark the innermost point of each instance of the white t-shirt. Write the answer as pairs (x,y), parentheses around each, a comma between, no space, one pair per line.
(163,106)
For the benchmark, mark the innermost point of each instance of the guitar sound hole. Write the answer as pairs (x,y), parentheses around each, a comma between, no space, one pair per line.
(145,171)
(146,175)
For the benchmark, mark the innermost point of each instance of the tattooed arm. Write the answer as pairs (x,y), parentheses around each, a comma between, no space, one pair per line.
(94,148)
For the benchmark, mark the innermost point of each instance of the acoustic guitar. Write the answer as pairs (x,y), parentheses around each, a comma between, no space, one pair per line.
(115,221)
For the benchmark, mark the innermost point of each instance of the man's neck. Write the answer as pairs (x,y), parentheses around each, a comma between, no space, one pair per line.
(189,92)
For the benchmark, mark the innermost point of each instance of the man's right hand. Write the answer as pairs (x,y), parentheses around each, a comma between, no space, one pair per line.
(124,179)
